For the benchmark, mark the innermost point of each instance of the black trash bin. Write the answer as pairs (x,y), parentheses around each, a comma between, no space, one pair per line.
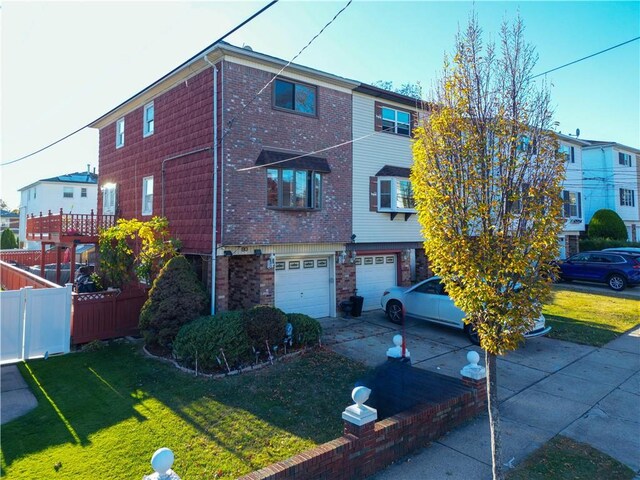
(356,309)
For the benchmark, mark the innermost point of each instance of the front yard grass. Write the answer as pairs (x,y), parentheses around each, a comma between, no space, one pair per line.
(562,458)
(104,413)
(589,318)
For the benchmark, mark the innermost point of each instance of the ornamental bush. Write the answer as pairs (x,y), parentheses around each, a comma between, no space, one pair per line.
(306,330)
(602,243)
(176,298)
(8,240)
(607,224)
(264,323)
(205,338)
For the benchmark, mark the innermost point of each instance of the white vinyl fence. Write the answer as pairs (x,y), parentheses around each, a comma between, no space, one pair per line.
(34,322)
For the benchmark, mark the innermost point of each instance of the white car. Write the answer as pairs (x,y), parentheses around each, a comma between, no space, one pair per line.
(429,301)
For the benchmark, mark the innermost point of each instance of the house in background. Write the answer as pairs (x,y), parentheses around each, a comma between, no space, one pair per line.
(10,220)
(73,193)
(573,195)
(611,180)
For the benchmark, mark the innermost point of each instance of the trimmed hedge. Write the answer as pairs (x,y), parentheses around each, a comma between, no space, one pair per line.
(606,224)
(204,337)
(264,323)
(601,243)
(306,330)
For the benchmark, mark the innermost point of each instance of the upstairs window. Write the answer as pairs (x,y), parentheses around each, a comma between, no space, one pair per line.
(296,97)
(393,120)
(67,192)
(627,198)
(120,133)
(297,189)
(624,159)
(83,192)
(34,192)
(109,199)
(569,153)
(395,195)
(147,120)
(572,207)
(147,195)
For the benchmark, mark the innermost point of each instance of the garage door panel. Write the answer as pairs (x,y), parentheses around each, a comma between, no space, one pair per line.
(374,274)
(302,286)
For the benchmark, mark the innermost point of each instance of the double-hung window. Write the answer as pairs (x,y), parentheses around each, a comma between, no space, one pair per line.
(395,121)
(147,120)
(83,192)
(147,195)
(109,199)
(294,96)
(627,197)
(296,189)
(624,159)
(67,192)
(571,202)
(395,195)
(120,133)
(569,153)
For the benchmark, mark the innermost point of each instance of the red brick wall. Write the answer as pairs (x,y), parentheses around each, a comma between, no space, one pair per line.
(183,122)
(222,284)
(405,268)
(267,281)
(246,218)
(422,265)
(345,281)
(362,451)
(244,283)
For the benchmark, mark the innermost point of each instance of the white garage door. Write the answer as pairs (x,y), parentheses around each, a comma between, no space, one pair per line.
(302,286)
(374,274)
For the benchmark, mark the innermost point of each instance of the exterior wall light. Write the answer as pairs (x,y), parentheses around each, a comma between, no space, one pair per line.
(342,257)
(271,262)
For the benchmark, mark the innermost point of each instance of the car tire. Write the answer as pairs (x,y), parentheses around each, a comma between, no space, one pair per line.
(394,312)
(617,282)
(472,334)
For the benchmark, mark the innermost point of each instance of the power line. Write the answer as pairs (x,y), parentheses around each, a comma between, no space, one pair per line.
(584,58)
(233,30)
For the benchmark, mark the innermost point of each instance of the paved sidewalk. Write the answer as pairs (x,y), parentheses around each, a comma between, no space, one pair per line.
(16,398)
(547,387)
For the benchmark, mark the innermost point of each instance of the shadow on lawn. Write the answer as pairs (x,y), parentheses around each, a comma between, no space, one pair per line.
(581,331)
(253,416)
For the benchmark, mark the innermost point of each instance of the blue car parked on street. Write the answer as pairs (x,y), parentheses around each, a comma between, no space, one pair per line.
(617,269)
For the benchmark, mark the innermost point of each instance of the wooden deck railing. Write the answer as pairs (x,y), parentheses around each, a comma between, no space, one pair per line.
(14,278)
(27,257)
(55,227)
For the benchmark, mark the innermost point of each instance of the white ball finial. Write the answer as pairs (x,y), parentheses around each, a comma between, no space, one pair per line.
(473,358)
(162,460)
(397,340)
(360,395)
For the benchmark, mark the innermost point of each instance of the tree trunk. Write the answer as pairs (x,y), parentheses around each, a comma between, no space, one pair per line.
(494,416)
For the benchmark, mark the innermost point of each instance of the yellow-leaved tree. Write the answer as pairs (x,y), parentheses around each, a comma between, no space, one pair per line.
(487,181)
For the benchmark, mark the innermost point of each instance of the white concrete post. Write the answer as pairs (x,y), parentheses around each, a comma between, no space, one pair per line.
(359,414)
(396,351)
(161,461)
(473,370)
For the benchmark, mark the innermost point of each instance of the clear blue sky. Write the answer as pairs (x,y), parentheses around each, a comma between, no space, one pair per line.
(66,63)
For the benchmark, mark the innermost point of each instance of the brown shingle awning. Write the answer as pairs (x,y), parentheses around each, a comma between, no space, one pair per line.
(268,157)
(391,171)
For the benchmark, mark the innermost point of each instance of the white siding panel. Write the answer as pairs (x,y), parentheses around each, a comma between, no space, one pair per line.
(369,156)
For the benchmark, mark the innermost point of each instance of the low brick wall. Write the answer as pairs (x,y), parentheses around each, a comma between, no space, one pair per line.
(364,450)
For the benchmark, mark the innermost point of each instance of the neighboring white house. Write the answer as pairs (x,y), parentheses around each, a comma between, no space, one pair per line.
(9,220)
(611,180)
(572,195)
(74,193)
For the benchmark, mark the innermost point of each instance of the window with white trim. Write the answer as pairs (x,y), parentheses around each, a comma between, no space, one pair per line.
(624,159)
(120,133)
(571,202)
(148,114)
(290,188)
(109,199)
(67,192)
(396,121)
(83,192)
(147,195)
(395,195)
(627,197)
(569,153)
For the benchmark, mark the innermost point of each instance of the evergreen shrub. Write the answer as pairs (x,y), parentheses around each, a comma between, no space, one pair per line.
(306,330)
(607,224)
(8,240)
(264,323)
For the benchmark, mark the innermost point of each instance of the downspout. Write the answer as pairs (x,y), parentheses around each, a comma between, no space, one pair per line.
(215,186)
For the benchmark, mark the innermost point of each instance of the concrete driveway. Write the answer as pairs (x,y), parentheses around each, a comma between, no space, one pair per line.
(547,387)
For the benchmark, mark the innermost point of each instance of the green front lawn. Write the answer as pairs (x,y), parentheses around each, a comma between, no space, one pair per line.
(589,318)
(562,458)
(104,413)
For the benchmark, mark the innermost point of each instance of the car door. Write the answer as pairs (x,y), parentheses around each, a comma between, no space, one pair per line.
(576,267)
(447,310)
(421,302)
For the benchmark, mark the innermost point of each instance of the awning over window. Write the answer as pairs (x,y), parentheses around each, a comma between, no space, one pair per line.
(391,171)
(317,164)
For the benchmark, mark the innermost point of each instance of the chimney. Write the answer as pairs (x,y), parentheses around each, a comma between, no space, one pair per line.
(88,168)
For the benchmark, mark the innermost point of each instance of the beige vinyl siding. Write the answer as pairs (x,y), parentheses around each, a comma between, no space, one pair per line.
(369,156)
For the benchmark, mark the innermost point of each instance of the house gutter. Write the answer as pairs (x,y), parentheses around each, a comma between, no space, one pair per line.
(214,250)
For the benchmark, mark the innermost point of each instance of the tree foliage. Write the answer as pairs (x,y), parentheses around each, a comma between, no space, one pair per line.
(135,248)
(486,179)
(176,298)
(8,240)
(409,89)
(607,224)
